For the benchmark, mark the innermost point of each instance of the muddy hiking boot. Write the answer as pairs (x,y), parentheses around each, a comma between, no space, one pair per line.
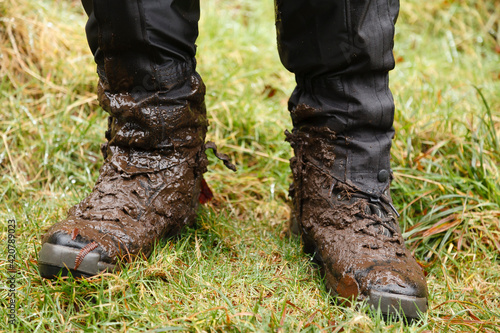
(353,236)
(151,183)
(148,188)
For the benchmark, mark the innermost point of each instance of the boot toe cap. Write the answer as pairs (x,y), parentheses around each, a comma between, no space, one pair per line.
(397,292)
(62,254)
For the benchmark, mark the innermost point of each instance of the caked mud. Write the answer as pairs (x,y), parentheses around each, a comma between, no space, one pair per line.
(149,185)
(355,237)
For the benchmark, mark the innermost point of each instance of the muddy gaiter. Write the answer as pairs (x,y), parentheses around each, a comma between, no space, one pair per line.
(341,52)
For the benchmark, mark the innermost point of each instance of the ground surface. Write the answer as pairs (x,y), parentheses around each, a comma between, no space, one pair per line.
(237,271)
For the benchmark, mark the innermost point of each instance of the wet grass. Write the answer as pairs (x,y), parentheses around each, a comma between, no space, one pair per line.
(237,271)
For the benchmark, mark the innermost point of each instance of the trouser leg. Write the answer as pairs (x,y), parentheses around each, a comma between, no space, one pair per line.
(341,52)
(143,45)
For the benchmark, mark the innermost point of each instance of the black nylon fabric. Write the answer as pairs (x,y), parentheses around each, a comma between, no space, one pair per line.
(340,52)
(143,45)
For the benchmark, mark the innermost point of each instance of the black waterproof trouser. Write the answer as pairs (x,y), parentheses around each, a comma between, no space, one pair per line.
(340,52)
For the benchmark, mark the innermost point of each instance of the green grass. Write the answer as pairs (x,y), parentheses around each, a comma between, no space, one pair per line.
(236,271)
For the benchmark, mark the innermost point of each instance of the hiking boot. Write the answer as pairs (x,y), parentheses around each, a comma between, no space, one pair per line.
(353,235)
(148,187)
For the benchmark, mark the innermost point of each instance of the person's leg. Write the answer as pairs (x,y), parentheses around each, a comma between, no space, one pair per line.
(149,185)
(342,112)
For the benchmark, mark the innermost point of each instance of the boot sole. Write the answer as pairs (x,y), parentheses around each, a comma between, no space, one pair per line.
(57,260)
(393,305)
(390,305)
